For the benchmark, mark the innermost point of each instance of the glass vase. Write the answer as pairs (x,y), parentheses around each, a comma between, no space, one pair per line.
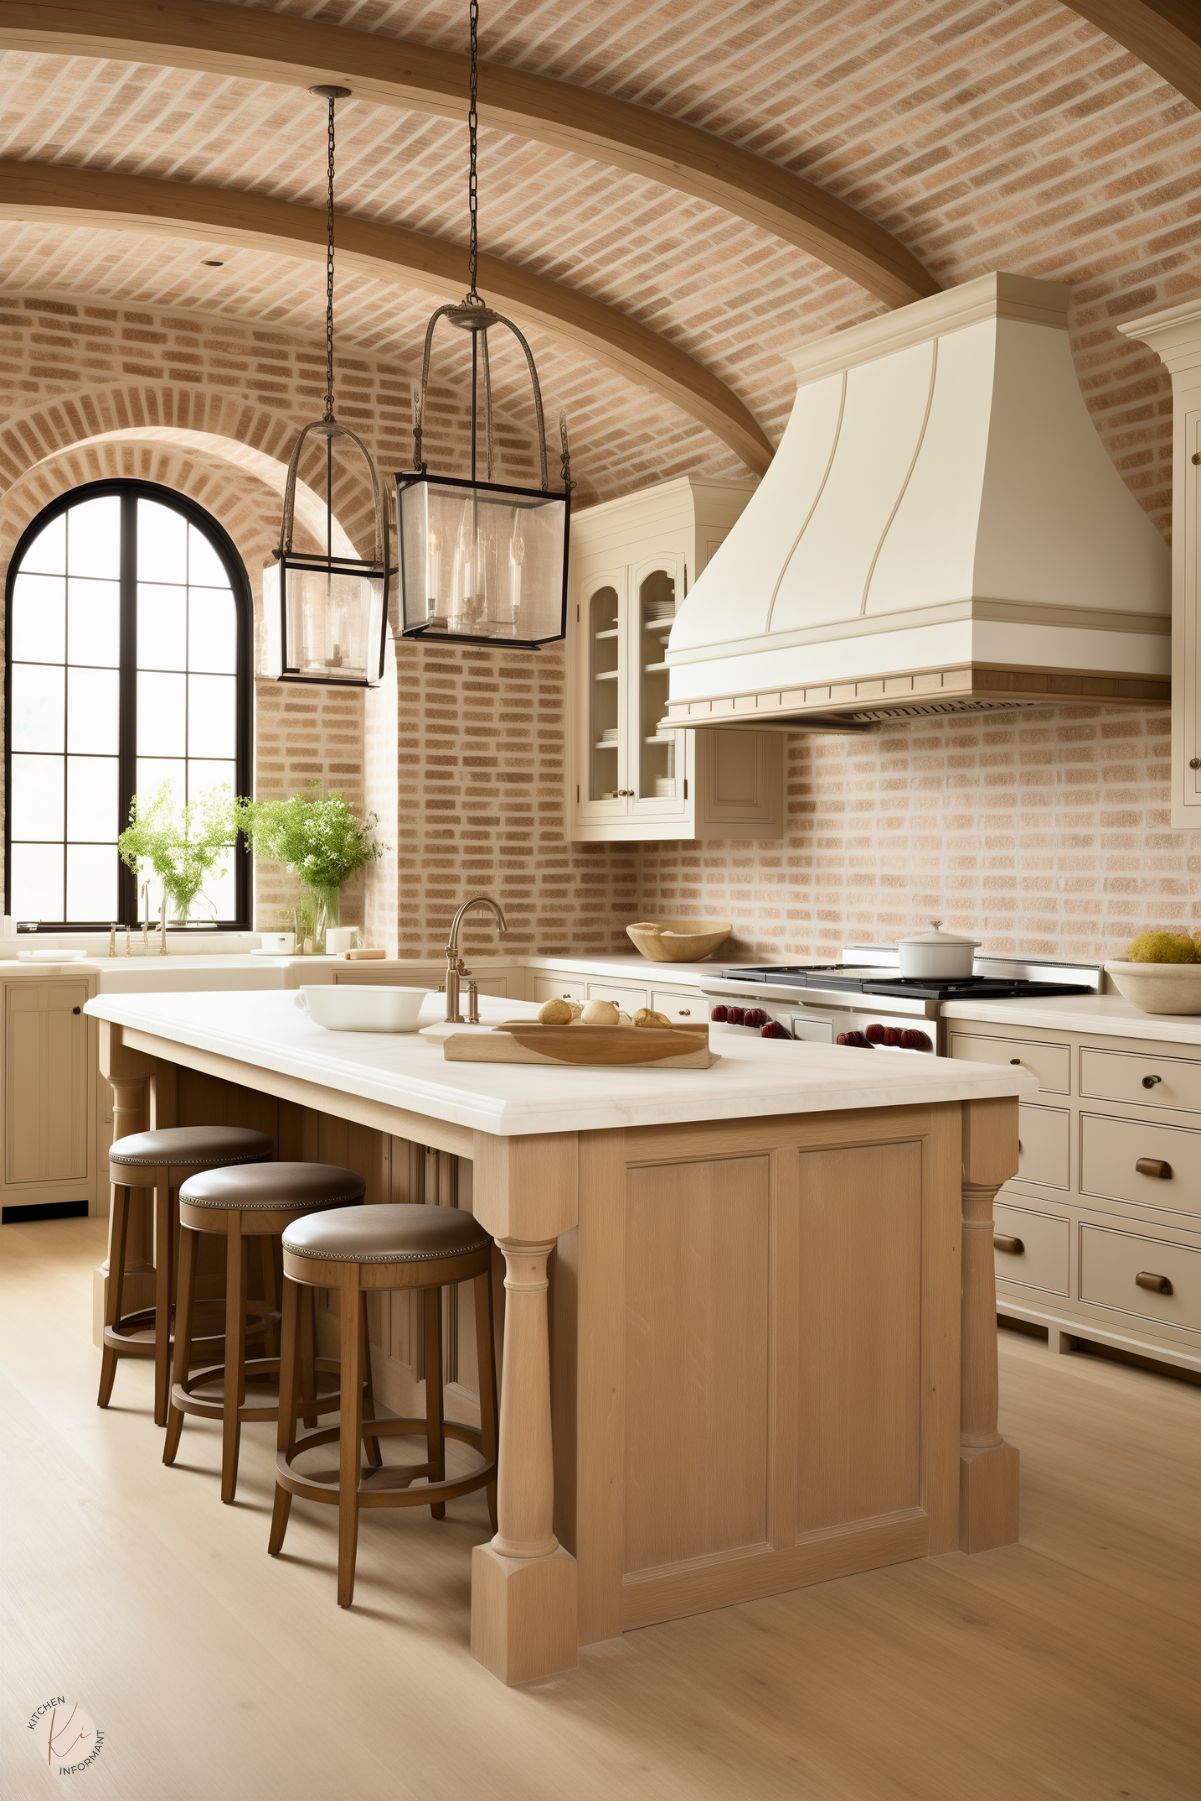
(327,912)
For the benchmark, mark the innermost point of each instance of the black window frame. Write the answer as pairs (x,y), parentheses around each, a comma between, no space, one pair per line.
(130,492)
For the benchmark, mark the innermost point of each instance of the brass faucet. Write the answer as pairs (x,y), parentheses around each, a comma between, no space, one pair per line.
(456,969)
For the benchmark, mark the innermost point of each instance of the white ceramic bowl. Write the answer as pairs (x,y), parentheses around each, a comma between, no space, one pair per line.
(1158,987)
(355,1007)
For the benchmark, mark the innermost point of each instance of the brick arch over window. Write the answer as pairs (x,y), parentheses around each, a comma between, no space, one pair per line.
(300,735)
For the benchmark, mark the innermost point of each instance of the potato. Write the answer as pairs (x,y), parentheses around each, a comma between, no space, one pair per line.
(647,1016)
(554,1013)
(577,1008)
(599,1013)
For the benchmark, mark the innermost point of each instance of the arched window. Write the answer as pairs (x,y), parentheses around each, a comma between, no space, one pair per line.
(127,665)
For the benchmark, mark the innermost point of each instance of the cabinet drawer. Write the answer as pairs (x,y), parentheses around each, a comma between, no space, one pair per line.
(1044,1136)
(1031,1248)
(558,988)
(1049,1064)
(1111,1151)
(1142,1077)
(678,1005)
(1112,1262)
(620,994)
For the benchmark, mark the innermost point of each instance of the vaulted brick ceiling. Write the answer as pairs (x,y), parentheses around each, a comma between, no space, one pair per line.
(980,133)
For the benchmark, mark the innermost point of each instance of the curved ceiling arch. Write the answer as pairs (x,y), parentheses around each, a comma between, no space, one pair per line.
(46,192)
(1164,34)
(295,52)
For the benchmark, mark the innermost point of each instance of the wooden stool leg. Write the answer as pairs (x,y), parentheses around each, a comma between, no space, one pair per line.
(434,1435)
(114,1293)
(185,1287)
(485,1351)
(162,1300)
(285,1434)
(375,1456)
(350,1431)
(234,1386)
(308,1354)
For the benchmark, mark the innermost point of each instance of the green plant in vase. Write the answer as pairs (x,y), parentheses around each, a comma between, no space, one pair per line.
(320,838)
(182,846)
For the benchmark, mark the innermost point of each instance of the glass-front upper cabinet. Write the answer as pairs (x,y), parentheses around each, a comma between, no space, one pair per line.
(602,623)
(631,777)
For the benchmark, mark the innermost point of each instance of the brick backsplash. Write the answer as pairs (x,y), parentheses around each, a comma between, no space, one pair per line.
(1042,831)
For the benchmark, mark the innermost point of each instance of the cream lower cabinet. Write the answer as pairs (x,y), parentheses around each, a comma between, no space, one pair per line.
(1098,1236)
(632,561)
(48,1116)
(1175,335)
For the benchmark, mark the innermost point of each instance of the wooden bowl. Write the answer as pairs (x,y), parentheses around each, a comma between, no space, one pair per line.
(1158,987)
(678,940)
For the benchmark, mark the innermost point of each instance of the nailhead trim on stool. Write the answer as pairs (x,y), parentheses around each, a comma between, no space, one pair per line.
(159,1159)
(255,1201)
(382,1248)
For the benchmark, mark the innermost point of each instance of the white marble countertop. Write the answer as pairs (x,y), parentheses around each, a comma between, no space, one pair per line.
(754,1077)
(1103,1015)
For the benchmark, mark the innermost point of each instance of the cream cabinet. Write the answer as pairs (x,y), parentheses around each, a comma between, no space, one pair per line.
(1176,337)
(1098,1236)
(630,777)
(48,1116)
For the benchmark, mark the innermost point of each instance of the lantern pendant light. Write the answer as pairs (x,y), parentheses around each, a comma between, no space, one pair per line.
(327,610)
(482,562)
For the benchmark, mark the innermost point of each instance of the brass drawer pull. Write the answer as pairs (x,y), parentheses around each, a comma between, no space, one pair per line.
(1016,1060)
(1154,1166)
(1005,1241)
(1150,1081)
(685,1012)
(1157,1284)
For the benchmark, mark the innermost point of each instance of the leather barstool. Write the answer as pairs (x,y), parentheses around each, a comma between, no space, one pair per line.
(365,1250)
(160,1160)
(251,1203)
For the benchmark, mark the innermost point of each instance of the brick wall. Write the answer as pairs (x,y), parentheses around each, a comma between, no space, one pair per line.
(1042,831)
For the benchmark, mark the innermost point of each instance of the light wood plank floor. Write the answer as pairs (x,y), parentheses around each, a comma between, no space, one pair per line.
(1063,1669)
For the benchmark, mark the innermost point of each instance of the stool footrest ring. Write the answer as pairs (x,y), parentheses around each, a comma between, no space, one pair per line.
(389,1486)
(212,1407)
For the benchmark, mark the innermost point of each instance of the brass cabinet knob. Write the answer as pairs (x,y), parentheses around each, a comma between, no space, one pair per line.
(1147,1278)
(1154,1166)
(1150,1081)
(685,1012)
(1005,1241)
(1194,762)
(77,1009)
(1016,1060)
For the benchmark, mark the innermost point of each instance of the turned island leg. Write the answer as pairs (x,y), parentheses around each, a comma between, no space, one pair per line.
(128,1073)
(988,1467)
(523,1583)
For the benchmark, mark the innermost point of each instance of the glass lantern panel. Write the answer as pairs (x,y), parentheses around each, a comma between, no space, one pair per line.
(482,563)
(332,622)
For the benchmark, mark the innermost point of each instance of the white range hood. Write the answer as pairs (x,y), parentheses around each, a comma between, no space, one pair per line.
(941,530)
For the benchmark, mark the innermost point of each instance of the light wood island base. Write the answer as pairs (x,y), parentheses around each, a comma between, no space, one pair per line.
(738,1357)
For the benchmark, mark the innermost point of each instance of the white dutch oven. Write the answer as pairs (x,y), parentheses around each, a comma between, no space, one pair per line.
(355,1008)
(937,955)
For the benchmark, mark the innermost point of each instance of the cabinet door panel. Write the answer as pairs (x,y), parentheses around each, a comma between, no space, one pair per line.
(654,757)
(601,773)
(45,1082)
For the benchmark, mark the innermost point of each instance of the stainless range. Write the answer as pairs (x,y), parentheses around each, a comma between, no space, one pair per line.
(866,995)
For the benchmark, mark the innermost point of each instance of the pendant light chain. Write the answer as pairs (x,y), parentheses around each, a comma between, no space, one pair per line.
(473,134)
(329,267)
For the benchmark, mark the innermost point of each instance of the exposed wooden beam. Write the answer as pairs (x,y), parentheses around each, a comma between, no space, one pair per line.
(138,203)
(277,47)
(1164,34)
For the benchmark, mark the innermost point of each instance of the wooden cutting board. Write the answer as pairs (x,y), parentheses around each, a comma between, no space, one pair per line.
(587,1047)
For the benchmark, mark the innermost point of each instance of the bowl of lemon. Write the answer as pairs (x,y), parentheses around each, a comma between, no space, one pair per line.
(1161,972)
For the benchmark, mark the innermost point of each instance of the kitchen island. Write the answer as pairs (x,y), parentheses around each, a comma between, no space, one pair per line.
(749,1331)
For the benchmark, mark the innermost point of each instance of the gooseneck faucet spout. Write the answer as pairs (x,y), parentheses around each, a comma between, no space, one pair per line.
(456,969)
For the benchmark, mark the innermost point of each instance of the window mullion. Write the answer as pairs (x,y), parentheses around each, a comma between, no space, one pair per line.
(127,892)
